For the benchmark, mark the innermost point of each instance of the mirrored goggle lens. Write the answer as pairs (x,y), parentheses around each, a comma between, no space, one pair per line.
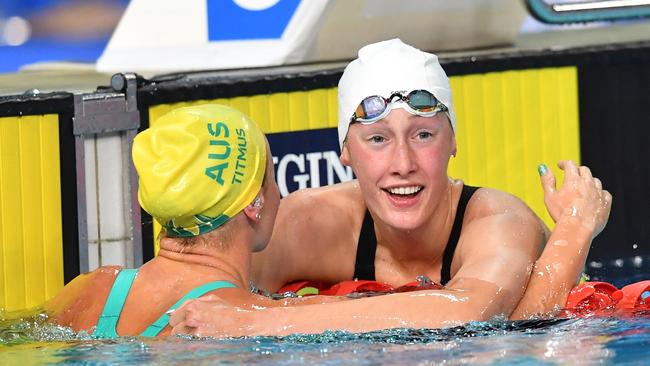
(371,107)
(422,100)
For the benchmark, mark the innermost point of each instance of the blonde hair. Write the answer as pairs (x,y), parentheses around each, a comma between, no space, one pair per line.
(221,236)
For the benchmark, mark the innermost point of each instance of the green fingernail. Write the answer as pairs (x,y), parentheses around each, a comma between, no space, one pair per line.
(542,169)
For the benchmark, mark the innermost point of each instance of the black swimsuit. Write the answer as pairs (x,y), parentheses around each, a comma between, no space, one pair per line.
(364,268)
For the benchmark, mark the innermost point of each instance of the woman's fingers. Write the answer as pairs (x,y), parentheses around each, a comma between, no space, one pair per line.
(570,169)
(585,173)
(598,183)
(178,315)
(188,314)
(548,179)
(180,328)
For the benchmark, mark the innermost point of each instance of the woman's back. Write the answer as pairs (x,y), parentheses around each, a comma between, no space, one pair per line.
(158,285)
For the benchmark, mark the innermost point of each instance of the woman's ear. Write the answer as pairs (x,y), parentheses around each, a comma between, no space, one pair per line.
(345,154)
(254,210)
(453,147)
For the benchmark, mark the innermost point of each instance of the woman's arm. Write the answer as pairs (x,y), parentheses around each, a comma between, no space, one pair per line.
(211,316)
(580,209)
(490,280)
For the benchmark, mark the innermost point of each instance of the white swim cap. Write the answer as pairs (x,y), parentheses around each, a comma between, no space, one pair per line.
(385,67)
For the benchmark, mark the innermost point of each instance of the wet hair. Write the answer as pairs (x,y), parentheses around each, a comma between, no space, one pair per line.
(222,236)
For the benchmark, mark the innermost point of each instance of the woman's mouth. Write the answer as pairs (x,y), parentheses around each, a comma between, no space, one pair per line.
(404,192)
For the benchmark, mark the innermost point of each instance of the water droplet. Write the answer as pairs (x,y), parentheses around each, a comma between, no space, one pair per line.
(618,263)
(595,264)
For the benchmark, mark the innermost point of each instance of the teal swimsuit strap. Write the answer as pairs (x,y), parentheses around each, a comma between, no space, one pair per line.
(162,322)
(113,308)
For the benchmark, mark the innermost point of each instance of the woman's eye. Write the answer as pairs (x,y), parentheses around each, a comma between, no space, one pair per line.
(424,135)
(376,139)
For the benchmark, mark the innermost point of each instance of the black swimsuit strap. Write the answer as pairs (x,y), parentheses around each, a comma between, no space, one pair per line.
(448,255)
(364,268)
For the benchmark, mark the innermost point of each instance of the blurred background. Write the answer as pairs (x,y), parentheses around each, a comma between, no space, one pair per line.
(77,31)
(34,31)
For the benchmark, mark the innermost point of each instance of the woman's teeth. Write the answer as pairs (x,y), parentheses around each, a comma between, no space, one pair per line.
(405,190)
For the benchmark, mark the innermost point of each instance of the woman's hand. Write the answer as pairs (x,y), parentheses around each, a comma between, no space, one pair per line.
(581,196)
(211,316)
(580,209)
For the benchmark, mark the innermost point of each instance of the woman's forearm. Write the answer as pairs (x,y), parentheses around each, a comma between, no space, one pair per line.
(363,315)
(422,309)
(557,270)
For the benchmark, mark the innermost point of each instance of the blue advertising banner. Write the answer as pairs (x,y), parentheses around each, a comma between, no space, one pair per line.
(230,20)
(306,159)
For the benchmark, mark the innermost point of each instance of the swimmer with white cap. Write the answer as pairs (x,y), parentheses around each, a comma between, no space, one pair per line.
(404,217)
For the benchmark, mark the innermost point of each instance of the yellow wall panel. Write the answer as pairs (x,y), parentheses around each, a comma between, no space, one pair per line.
(241,103)
(298,111)
(13,283)
(511,121)
(31,217)
(279,111)
(259,110)
(51,206)
(318,112)
(31,266)
(276,112)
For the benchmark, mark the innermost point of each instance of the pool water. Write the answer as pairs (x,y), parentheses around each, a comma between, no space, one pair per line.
(624,339)
(593,340)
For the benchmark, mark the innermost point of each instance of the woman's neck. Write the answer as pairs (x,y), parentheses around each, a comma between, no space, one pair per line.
(429,240)
(209,261)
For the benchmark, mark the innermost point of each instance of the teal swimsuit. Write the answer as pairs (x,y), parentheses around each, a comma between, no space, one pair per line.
(117,297)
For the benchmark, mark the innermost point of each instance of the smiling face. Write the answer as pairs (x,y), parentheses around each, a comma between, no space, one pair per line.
(401,164)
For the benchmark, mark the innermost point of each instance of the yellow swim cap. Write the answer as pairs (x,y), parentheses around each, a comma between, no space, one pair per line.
(198,167)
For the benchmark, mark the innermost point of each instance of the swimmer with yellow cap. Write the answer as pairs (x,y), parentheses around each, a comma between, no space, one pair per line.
(206,176)
(197,170)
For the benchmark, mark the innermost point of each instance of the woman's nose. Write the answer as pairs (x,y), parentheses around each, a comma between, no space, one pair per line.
(403,160)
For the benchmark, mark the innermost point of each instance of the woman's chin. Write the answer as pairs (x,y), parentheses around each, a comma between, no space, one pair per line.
(404,221)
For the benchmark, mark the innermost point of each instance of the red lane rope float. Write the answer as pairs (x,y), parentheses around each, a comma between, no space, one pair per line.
(347,288)
(633,296)
(588,298)
(603,298)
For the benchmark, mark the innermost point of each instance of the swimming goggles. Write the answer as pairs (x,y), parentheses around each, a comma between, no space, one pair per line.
(418,102)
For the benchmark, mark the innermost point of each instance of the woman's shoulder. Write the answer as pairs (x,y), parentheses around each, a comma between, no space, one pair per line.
(323,214)
(100,278)
(79,302)
(502,215)
(340,197)
(488,201)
